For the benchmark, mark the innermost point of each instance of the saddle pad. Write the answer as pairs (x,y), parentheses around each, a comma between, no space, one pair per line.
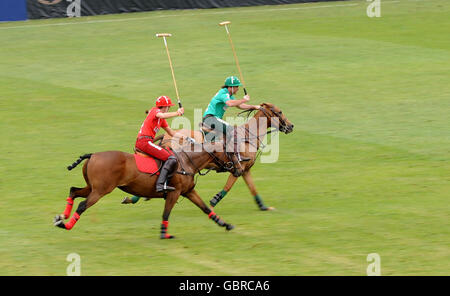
(146,164)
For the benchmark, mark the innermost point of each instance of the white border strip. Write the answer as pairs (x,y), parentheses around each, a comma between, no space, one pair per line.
(176,15)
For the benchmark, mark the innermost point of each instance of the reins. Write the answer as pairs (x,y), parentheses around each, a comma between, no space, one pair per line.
(216,160)
(222,164)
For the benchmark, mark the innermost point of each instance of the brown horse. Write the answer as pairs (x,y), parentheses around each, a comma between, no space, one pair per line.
(104,171)
(253,133)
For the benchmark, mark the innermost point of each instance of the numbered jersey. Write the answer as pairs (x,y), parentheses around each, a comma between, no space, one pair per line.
(152,124)
(218,106)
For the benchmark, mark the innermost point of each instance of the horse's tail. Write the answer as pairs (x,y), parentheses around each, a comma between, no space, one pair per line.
(79,160)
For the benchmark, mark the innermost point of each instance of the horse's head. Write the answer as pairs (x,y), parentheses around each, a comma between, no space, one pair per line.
(276,118)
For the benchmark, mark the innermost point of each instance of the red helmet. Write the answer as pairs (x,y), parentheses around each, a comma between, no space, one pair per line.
(164,101)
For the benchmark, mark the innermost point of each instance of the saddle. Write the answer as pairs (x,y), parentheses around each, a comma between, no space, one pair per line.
(206,130)
(146,163)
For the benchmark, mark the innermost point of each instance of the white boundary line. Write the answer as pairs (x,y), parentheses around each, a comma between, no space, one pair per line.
(177,15)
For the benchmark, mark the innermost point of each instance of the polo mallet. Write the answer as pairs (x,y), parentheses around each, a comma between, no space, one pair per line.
(234,52)
(164,35)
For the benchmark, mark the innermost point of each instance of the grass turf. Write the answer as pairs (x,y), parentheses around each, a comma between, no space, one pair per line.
(366,169)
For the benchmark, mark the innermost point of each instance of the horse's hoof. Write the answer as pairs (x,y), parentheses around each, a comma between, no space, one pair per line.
(229,227)
(57,219)
(58,222)
(267,209)
(167,236)
(126,200)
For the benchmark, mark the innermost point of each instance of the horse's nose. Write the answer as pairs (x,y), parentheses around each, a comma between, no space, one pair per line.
(290,128)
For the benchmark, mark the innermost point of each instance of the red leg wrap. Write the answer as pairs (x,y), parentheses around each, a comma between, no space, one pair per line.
(68,209)
(72,221)
(164,226)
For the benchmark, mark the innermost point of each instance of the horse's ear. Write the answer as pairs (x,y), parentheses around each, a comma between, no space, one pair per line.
(268,105)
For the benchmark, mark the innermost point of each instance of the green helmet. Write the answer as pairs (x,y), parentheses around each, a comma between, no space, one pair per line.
(232,81)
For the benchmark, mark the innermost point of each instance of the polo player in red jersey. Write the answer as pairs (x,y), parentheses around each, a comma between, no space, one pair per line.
(155,120)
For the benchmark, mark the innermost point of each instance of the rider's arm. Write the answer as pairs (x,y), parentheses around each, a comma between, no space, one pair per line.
(236,103)
(244,106)
(170,131)
(175,134)
(179,112)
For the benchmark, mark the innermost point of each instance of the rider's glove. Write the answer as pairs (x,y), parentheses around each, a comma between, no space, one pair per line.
(190,140)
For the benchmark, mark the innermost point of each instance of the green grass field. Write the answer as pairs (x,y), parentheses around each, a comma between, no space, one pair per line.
(366,169)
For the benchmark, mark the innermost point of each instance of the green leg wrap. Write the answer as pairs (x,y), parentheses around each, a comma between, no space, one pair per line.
(218,197)
(135,199)
(260,203)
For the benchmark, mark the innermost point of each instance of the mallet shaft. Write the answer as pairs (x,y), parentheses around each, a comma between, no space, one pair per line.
(164,35)
(225,23)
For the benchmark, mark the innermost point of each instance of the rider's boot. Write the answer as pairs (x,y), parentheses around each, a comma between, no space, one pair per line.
(169,166)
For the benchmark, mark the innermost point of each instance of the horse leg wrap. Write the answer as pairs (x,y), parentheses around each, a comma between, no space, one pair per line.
(218,197)
(260,203)
(135,199)
(72,221)
(216,219)
(164,234)
(68,209)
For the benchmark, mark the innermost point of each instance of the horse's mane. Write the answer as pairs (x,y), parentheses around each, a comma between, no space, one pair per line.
(246,112)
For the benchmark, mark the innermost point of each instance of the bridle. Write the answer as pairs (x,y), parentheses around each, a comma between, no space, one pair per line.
(282,126)
(222,165)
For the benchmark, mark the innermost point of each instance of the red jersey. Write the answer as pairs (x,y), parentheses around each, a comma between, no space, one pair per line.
(152,124)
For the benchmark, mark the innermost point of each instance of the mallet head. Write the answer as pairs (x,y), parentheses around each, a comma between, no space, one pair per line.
(224,23)
(163,35)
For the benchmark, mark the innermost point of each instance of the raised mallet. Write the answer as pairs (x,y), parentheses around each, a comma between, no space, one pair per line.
(164,35)
(234,52)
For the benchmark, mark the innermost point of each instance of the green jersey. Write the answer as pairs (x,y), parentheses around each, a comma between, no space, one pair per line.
(217,106)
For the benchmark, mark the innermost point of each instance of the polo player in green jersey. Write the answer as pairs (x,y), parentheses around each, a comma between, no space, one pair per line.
(223,99)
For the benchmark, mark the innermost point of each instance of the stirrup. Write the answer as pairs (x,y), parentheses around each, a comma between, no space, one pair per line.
(164,188)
